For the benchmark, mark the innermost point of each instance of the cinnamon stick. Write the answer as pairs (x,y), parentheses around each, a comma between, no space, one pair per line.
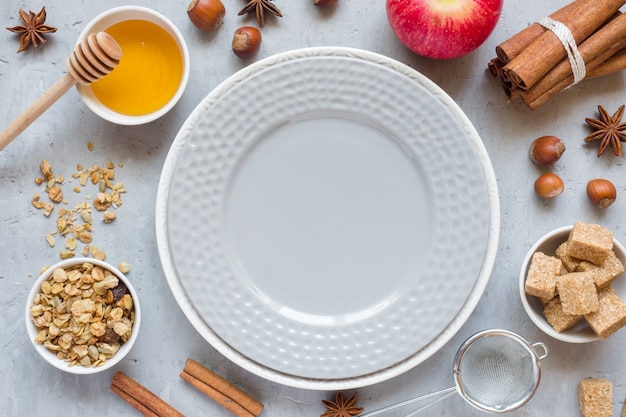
(596,49)
(546,50)
(220,390)
(612,65)
(133,402)
(495,67)
(142,399)
(512,47)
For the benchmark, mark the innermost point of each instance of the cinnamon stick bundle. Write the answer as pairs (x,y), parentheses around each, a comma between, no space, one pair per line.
(596,49)
(221,391)
(600,46)
(615,63)
(546,51)
(512,47)
(142,399)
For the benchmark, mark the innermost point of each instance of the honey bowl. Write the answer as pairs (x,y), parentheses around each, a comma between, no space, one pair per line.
(153,71)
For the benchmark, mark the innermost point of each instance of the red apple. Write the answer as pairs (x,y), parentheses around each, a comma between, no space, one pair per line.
(443,29)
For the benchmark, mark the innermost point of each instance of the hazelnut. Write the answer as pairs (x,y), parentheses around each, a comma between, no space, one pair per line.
(206,14)
(601,192)
(549,185)
(246,41)
(546,150)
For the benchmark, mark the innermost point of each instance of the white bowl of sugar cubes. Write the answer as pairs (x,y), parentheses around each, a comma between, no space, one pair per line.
(572,283)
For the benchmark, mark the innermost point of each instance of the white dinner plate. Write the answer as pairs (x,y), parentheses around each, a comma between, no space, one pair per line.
(327,218)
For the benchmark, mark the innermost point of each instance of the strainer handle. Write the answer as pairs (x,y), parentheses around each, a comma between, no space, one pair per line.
(440,396)
(543,347)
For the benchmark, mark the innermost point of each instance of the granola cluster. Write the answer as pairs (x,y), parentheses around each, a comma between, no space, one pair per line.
(83,313)
(75,224)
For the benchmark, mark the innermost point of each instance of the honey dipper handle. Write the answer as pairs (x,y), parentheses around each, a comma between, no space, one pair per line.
(36,109)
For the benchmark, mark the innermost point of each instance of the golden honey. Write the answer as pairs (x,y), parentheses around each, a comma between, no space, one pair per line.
(149,73)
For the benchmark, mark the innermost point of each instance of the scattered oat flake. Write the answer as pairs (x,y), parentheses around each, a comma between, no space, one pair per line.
(50,240)
(70,243)
(90,146)
(108,217)
(124,267)
(109,195)
(47,209)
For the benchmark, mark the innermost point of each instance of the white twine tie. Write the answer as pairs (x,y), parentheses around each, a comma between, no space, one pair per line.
(567,39)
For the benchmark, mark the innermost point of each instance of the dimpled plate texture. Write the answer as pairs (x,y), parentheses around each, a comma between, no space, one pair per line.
(327,218)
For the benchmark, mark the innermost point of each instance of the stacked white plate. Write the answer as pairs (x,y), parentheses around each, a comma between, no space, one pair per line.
(327,218)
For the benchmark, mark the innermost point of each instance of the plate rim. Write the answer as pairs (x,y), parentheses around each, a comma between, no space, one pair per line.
(362,380)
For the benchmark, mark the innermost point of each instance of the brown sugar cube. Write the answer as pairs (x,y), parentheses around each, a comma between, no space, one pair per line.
(605,274)
(589,242)
(610,316)
(559,320)
(595,397)
(570,263)
(577,293)
(542,273)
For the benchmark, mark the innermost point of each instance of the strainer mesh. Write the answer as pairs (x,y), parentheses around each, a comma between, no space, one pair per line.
(496,372)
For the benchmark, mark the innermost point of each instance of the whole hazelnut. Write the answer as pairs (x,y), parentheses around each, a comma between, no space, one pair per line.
(601,192)
(549,185)
(546,150)
(206,14)
(246,41)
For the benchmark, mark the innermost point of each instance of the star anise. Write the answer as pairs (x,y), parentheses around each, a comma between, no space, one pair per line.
(33,29)
(342,407)
(259,6)
(608,130)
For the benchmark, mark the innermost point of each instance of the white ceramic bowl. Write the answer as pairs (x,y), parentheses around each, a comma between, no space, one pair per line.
(119,14)
(581,333)
(51,357)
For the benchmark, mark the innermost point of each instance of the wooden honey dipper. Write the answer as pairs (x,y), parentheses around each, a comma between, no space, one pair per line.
(92,59)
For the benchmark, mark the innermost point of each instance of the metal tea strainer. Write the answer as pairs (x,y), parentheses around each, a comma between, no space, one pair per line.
(495,370)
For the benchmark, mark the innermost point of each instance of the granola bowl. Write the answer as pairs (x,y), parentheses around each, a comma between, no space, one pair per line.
(82,315)
(580,332)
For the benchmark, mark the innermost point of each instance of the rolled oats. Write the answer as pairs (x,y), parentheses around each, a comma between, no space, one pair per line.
(76,224)
(108,216)
(55,193)
(66,254)
(124,267)
(85,327)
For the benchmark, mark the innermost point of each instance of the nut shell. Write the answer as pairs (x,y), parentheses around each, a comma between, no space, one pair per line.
(246,41)
(601,192)
(549,185)
(206,14)
(546,150)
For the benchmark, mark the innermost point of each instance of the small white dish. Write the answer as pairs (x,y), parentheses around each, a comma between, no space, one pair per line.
(581,333)
(119,14)
(50,356)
